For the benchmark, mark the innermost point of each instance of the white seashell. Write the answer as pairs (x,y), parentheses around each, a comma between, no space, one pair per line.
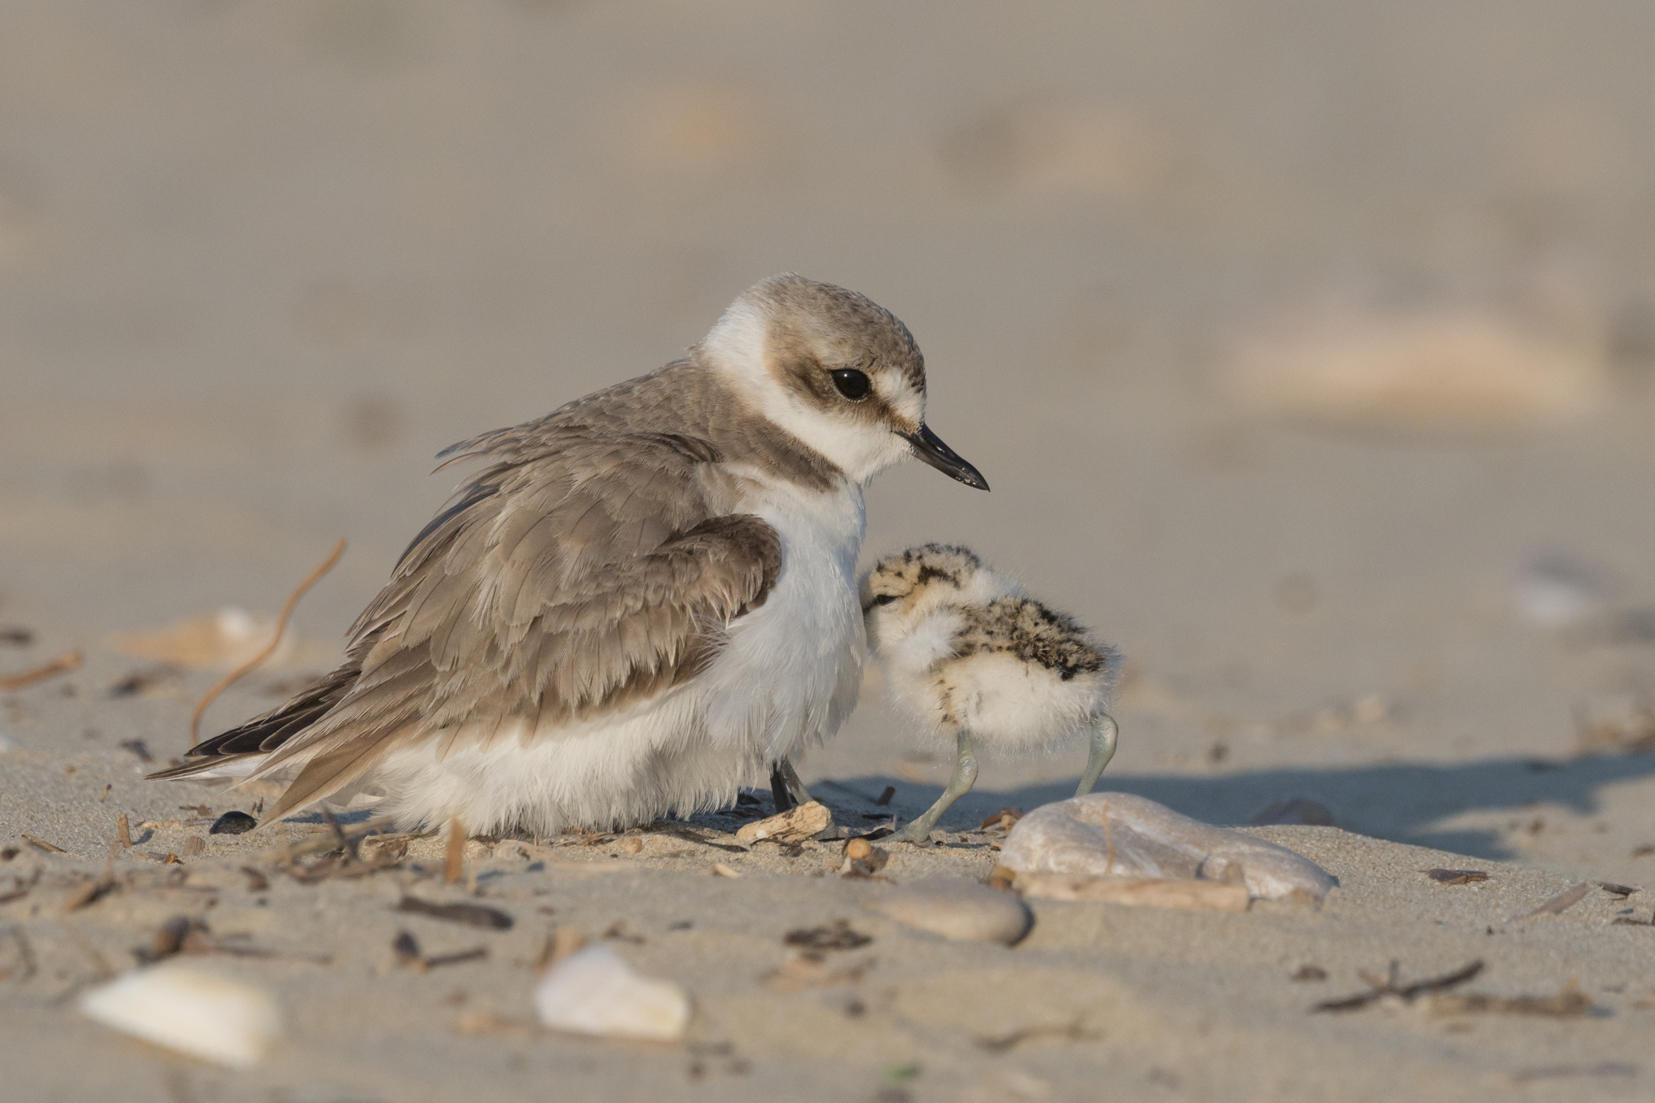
(595,992)
(203,1014)
(1121,835)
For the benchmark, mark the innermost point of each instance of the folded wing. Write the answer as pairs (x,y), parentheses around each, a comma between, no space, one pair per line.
(577,576)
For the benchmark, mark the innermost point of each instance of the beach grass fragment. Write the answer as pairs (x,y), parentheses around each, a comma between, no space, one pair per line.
(62,664)
(471,915)
(1558,904)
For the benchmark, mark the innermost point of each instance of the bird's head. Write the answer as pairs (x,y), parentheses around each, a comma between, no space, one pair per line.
(834,369)
(902,590)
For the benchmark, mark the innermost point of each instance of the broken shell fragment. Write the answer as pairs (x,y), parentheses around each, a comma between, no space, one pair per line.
(1121,835)
(959,910)
(205,1015)
(594,992)
(793,826)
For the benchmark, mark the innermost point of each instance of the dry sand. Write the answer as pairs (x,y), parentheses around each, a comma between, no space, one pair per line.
(258,262)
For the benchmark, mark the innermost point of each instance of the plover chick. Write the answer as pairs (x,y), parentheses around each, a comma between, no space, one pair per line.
(642,600)
(965,651)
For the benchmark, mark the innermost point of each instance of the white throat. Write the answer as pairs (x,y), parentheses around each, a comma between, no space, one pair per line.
(738,347)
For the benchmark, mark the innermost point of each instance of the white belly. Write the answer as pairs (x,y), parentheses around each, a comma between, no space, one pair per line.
(792,668)
(787,678)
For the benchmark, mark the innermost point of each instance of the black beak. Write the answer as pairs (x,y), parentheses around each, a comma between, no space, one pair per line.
(930,448)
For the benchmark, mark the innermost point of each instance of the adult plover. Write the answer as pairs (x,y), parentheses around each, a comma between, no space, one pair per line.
(642,599)
(965,651)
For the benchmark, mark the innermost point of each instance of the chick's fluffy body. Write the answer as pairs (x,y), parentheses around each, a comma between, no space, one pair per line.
(963,648)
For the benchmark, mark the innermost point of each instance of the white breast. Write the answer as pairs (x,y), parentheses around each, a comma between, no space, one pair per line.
(792,668)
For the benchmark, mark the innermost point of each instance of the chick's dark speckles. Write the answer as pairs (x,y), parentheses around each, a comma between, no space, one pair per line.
(1032,632)
(901,574)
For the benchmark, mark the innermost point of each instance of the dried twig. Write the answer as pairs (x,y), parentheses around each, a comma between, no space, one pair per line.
(472,915)
(1455,876)
(281,627)
(1391,986)
(63,664)
(1558,904)
(454,854)
(1069,1032)
(41,844)
(454,959)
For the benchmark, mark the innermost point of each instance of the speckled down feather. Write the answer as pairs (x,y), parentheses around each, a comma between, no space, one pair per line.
(964,648)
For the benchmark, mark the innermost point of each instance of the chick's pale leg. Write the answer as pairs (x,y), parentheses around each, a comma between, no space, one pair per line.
(965,776)
(1104,733)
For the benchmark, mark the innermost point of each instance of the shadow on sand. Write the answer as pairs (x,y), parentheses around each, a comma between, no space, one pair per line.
(1403,802)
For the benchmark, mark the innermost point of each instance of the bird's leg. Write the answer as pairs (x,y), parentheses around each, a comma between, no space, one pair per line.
(778,787)
(1104,733)
(786,787)
(795,788)
(964,777)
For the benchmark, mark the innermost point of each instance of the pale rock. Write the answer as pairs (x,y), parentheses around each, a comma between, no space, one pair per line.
(1121,835)
(793,826)
(958,910)
(183,1008)
(594,992)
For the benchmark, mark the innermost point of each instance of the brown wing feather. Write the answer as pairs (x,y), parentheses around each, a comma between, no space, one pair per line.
(588,566)
(617,587)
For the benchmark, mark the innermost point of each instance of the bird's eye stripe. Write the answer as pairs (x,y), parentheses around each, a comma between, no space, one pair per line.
(851,383)
(884,599)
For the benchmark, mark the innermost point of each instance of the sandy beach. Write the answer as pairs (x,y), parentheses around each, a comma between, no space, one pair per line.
(1308,353)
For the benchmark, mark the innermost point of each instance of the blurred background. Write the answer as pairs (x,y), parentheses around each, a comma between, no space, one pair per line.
(1307,347)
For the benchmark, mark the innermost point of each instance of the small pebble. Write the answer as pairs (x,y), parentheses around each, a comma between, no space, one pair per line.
(232,823)
(633,845)
(593,991)
(858,848)
(959,910)
(205,1015)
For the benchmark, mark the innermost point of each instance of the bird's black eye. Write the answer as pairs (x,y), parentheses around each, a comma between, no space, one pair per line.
(851,383)
(884,599)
